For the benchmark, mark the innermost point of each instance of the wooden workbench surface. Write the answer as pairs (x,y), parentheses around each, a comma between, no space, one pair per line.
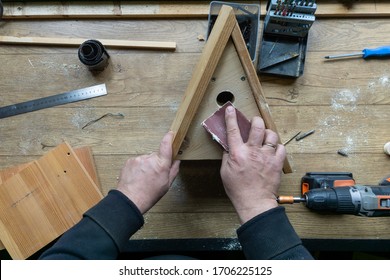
(346,102)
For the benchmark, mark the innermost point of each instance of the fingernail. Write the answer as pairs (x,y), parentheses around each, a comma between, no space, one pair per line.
(230,109)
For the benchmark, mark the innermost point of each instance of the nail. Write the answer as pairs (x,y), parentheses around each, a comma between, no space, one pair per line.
(230,109)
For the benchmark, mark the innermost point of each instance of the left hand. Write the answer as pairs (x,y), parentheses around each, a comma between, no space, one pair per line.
(145,179)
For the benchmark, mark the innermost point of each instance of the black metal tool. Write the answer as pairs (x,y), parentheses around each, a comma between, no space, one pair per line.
(54,100)
(284,40)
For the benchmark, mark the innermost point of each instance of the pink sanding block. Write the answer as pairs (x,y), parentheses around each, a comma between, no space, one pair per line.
(216,126)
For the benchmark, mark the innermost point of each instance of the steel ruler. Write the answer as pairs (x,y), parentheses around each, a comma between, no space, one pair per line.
(54,100)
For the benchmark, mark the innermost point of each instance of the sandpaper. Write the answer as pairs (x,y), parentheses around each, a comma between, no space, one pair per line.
(216,126)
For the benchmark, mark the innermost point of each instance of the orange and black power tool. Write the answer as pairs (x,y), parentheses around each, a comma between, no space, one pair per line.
(337,192)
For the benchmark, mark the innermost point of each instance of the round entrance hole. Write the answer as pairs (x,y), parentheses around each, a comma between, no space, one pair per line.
(224,97)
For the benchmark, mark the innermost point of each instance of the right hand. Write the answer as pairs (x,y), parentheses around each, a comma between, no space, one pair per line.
(251,171)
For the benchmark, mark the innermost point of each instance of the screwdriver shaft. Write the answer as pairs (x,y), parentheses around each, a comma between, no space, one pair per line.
(344,55)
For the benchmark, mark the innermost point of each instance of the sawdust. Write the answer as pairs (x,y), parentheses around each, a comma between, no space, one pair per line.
(384,81)
(345,100)
(233,244)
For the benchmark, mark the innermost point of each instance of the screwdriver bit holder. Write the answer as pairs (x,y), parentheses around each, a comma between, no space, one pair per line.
(284,40)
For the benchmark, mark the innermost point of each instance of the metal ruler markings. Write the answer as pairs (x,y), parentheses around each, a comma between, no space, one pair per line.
(54,100)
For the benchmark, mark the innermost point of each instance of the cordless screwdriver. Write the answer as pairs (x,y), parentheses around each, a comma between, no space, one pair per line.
(336,192)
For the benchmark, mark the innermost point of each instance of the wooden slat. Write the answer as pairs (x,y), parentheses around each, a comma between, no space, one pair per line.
(170,9)
(43,200)
(76,42)
(202,75)
(256,87)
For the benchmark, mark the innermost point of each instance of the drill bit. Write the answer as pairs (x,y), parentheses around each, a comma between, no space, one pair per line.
(289,140)
(304,135)
(284,199)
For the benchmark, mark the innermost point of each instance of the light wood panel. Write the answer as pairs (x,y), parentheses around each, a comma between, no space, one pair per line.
(84,154)
(43,200)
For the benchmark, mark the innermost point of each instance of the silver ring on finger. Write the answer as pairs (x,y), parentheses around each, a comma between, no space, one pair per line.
(270,145)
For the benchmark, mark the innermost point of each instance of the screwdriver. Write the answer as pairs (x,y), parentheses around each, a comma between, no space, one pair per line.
(366,53)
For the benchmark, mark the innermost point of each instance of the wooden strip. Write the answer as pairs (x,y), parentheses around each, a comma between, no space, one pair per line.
(202,74)
(255,85)
(78,41)
(170,9)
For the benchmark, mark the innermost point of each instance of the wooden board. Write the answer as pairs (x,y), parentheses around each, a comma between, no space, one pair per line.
(76,42)
(44,200)
(84,154)
(187,128)
(169,9)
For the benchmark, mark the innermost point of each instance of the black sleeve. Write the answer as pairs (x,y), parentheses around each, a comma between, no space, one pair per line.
(271,236)
(103,231)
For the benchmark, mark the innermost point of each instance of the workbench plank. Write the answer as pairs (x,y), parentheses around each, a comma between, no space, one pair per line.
(347,102)
(308,225)
(128,85)
(198,187)
(141,130)
(185,33)
(170,9)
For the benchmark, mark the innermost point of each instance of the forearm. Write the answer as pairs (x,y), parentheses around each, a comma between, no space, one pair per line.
(271,236)
(102,233)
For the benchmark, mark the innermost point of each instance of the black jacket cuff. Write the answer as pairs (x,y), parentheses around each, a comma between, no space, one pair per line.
(118,216)
(271,236)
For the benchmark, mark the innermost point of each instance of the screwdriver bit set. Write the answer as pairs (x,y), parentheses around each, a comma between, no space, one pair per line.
(285,32)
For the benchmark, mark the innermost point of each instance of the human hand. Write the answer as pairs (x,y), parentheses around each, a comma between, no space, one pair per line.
(251,171)
(145,179)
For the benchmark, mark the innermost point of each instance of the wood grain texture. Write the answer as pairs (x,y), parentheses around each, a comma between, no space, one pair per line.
(84,154)
(201,76)
(76,42)
(347,102)
(43,200)
(256,88)
(230,76)
(169,9)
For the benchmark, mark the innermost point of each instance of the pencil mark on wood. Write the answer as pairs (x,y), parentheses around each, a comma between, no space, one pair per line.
(26,196)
